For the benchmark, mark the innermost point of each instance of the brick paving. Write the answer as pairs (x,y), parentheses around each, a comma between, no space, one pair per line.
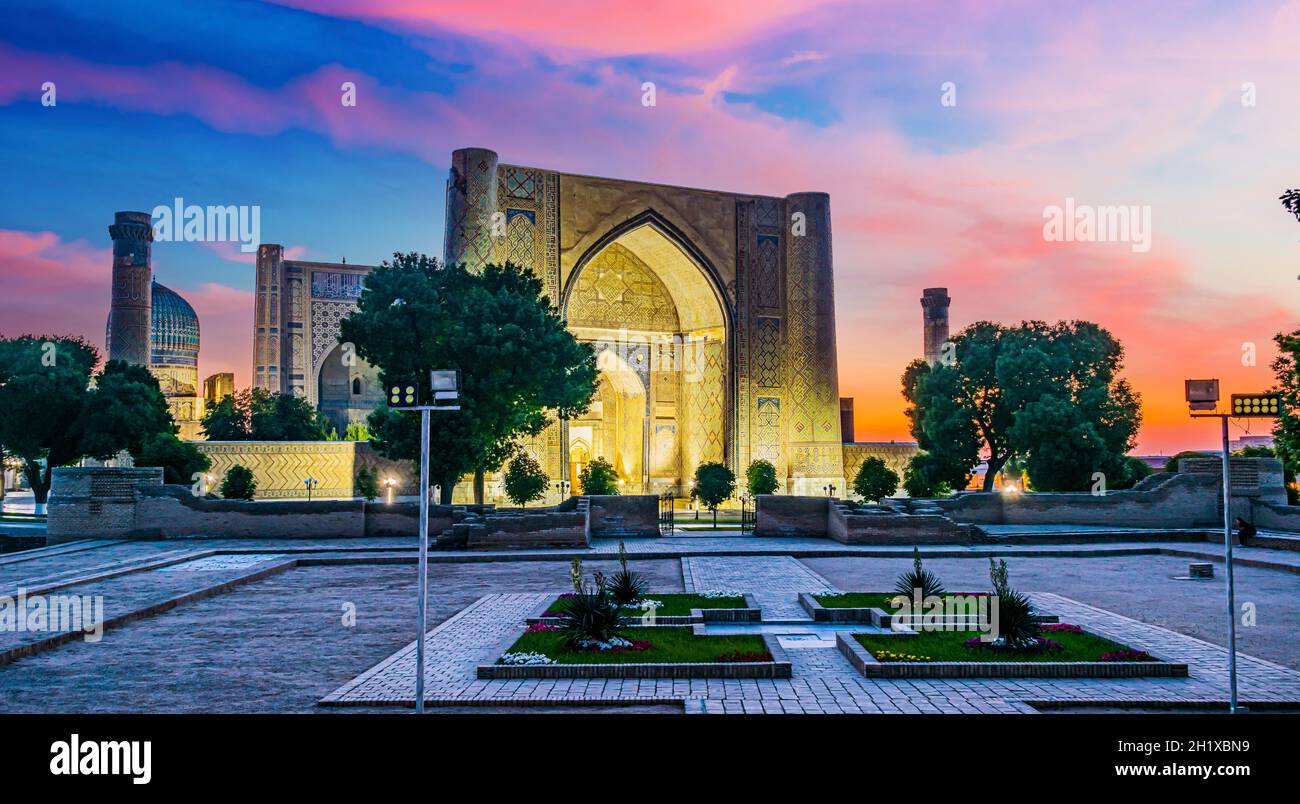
(259,648)
(774,581)
(823,680)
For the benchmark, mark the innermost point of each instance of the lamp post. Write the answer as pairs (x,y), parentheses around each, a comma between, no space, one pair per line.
(311,483)
(445,386)
(1203,395)
(829,489)
(389,483)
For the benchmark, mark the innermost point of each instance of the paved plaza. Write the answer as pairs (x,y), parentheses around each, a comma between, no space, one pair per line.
(324,626)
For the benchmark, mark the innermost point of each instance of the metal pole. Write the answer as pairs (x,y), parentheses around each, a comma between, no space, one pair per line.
(1227,560)
(424,560)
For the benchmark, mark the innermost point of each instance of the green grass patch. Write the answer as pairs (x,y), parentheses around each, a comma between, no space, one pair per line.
(949,646)
(674,604)
(668,645)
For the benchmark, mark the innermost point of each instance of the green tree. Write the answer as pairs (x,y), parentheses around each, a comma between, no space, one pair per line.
(256,414)
(367,485)
(875,480)
(524,480)
(1135,470)
(922,478)
(53,413)
(760,478)
(598,477)
(518,363)
(180,460)
(714,484)
(239,483)
(1050,394)
(126,407)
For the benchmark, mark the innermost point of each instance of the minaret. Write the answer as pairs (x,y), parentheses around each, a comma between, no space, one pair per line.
(934,320)
(131,308)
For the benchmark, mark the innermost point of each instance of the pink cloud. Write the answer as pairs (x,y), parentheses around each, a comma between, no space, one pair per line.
(62,288)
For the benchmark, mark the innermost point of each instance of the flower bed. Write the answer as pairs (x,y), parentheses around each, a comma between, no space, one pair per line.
(1061,650)
(543,651)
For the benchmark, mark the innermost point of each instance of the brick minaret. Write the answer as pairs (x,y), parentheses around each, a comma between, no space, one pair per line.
(934,307)
(131,307)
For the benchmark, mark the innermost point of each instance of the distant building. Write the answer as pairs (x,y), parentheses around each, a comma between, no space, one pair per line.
(1251,441)
(218,386)
(934,322)
(170,344)
(846,419)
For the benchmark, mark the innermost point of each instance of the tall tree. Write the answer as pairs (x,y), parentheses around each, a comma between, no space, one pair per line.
(518,363)
(256,414)
(51,416)
(1286,369)
(1049,394)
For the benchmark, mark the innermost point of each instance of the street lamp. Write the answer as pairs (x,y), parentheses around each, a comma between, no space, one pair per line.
(1203,395)
(390,483)
(829,489)
(311,483)
(445,387)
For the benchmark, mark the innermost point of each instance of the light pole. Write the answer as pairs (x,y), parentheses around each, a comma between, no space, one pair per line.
(1203,395)
(389,483)
(445,385)
(311,483)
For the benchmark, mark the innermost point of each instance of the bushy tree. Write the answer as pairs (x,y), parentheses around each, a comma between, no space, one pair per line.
(598,477)
(256,414)
(875,480)
(53,412)
(367,485)
(714,484)
(180,460)
(519,364)
(1050,394)
(524,480)
(760,478)
(239,483)
(921,478)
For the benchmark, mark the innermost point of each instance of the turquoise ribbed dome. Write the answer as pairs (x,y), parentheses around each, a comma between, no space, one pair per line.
(174,329)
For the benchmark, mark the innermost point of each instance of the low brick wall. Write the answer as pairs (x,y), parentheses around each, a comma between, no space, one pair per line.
(95,502)
(403,518)
(1160,501)
(787,515)
(544,528)
(1271,516)
(279,467)
(171,512)
(850,527)
(633,515)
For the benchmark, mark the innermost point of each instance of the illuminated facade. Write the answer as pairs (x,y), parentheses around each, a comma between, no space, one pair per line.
(712,314)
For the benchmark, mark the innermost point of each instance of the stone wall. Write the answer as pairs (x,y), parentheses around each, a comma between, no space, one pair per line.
(624,515)
(95,502)
(1160,501)
(540,528)
(895,455)
(782,515)
(881,526)
(174,512)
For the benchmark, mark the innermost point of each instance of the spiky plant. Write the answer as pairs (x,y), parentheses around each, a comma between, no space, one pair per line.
(626,586)
(918,578)
(999,576)
(1018,623)
(590,615)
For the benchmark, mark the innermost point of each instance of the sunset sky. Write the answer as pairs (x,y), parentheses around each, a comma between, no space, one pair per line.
(1189,108)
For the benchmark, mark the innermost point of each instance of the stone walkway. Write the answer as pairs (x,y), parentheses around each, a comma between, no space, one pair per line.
(774,581)
(823,680)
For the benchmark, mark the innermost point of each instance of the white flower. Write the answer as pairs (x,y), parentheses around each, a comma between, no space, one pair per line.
(526,658)
(724,593)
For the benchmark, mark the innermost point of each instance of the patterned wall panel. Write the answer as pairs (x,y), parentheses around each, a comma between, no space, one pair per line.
(767,352)
(280,467)
(325,325)
(617,290)
(767,432)
(704,392)
(471,202)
